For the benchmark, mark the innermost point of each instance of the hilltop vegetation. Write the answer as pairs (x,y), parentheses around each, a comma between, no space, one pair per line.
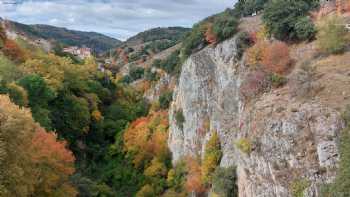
(98,42)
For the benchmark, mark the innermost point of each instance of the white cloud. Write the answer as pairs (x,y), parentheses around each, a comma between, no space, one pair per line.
(119,18)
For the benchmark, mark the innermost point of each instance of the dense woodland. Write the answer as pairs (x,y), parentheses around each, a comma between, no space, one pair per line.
(67,129)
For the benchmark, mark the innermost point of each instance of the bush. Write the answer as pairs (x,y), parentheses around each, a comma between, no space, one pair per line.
(255,53)
(255,83)
(165,99)
(298,187)
(277,80)
(244,145)
(225,26)
(225,182)
(276,58)
(212,157)
(151,75)
(136,73)
(303,83)
(171,64)
(243,42)
(305,29)
(180,119)
(146,191)
(331,37)
(18,94)
(281,16)
(13,51)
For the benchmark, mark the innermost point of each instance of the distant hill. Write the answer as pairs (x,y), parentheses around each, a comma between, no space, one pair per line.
(96,41)
(167,33)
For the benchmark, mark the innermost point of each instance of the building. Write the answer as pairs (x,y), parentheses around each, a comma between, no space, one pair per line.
(82,53)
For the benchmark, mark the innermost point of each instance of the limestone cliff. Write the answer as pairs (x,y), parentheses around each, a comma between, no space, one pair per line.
(292,140)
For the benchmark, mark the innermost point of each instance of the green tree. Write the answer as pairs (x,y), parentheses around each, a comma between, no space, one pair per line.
(70,116)
(281,16)
(305,29)
(165,99)
(225,182)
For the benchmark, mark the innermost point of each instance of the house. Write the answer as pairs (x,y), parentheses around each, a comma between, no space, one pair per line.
(82,53)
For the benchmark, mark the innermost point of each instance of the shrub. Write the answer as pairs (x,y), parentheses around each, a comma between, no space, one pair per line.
(176,176)
(146,191)
(225,182)
(13,51)
(244,145)
(275,58)
(277,80)
(180,119)
(281,16)
(194,177)
(171,64)
(151,75)
(305,29)
(243,42)
(303,83)
(254,83)
(212,157)
(225,25)
(193,41)
(136,73)
(18,94)
(331,37)
(165,99)
(255,53)
(298,187)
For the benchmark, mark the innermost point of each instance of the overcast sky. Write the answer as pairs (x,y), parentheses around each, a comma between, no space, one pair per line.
(117,18)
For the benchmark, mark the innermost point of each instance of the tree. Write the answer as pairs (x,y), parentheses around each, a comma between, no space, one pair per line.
(70,116)
(194,177)
(212,157)
(331,36)
(225,182)
(305,29)
(281,16)
(47,151)
(39,95)
(32,161)
(225,25)
(165,99)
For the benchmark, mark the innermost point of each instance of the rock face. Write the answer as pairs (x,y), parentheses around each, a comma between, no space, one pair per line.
(292,142)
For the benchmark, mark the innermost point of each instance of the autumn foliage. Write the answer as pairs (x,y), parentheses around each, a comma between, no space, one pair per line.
(146,138)
(13,51)
(194,181)
(32,161)
(275,58)
(210,37)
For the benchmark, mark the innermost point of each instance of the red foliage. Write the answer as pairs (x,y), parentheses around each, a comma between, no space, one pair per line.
(253,37)
(13,51)
(209,35)
(46,149)
(194,177)
(254,83)
(275,58)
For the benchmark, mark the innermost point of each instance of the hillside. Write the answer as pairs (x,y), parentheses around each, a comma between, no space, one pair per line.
(241,106)
(169,33)
(96,41)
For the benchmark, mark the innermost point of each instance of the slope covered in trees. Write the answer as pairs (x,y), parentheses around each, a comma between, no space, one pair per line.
(96,41)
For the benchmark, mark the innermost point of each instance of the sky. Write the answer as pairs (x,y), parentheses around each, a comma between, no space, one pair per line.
(116,18)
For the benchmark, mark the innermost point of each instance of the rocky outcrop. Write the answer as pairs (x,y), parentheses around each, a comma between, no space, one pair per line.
(291,141)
